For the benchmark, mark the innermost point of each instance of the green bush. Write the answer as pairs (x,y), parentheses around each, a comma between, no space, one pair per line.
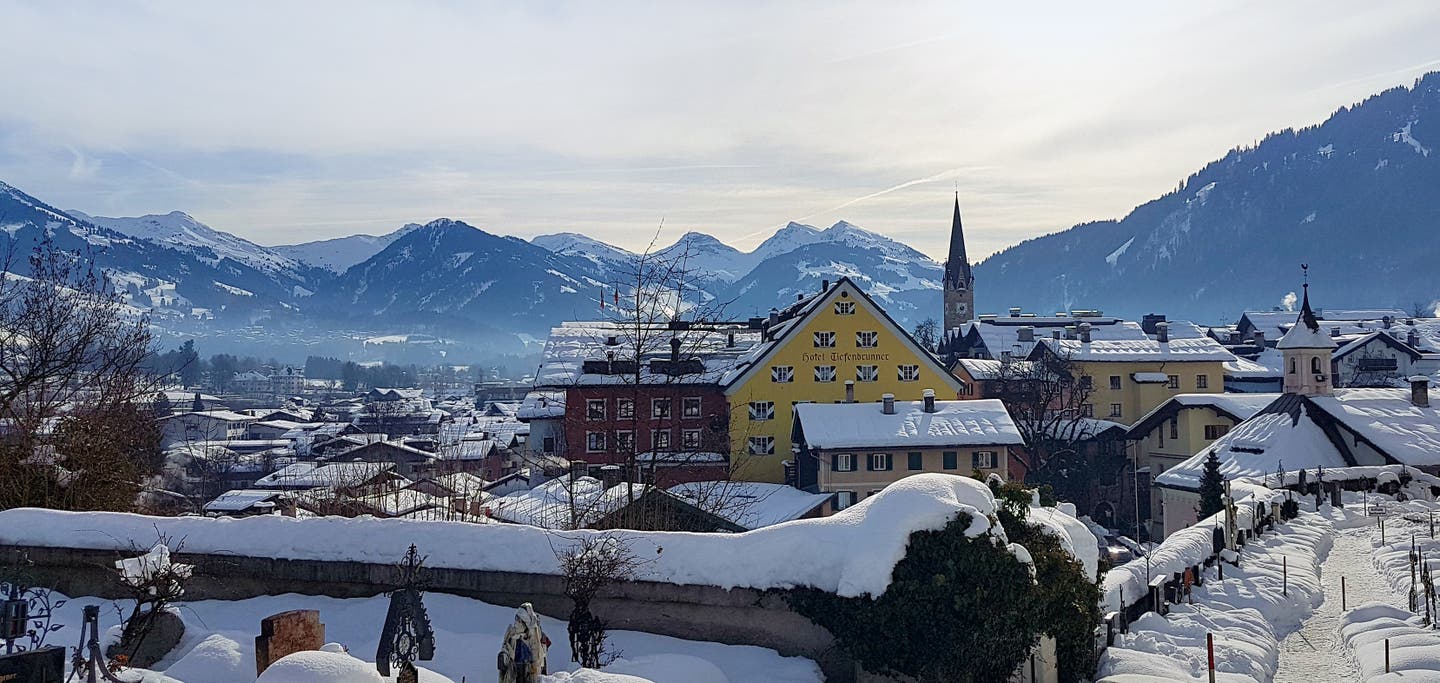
(964,610)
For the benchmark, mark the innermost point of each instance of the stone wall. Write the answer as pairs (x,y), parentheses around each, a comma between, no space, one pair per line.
(736,617)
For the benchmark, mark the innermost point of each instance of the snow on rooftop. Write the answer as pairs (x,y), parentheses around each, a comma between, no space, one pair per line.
(1241,368)
(1261,445)
(862,425)
(572,343)
(311,475)
(1146,349)
(1301,336)
(1242,406)
(1003,334)
(750,504)
(239,499)
(821,553)
(1389,419)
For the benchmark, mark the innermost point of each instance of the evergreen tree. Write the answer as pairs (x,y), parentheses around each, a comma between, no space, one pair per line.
(162,405)
(1212,487)
(188,364)
(197,406)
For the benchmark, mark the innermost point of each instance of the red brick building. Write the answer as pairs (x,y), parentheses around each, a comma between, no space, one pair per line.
(674,432)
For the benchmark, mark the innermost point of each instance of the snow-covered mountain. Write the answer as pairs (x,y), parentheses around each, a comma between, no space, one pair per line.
(452,277)
(904,281)
(178,230)
(1355,197)
(705,254)
(605,256)
(789,238)
(173,280)
(337,255)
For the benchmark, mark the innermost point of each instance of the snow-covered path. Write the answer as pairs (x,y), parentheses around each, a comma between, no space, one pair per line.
(1315,653)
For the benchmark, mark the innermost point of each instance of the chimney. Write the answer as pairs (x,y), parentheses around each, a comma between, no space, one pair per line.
(1025,333)
(1055,334)
(929,395)
(800,296)
(1162,332)
(1259,337)
(578,469)
(1413,338)
(612,341)
(1014,311)
(1085,332)
(1387,321)
(824,286)
(674,351)
(849,391)
(610,476)
(1334,331)
(887,404)
(1420,391)
(774,317)
(730,340)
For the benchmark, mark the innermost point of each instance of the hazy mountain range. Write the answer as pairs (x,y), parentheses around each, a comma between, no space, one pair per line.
(1355,197)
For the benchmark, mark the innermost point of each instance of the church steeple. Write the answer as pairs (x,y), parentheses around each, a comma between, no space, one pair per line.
(959,281)
(1306,350)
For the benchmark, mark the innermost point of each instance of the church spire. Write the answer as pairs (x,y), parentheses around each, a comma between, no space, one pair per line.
(959,281)
(1307,316)
(956,263)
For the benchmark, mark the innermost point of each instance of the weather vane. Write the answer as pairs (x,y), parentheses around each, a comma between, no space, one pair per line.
(1305,274)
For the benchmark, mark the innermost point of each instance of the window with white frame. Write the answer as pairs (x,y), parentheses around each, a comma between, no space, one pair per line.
(867,373)
(690,439)
(824,373)
(625,408)
(1173,381)
(879,462)
(660,439)
(595,442)
(844,308)
(824,340)
(1115,409)
(983,460)
(1213,432)
(762,445)
(844,499)
(843,462)
(595,409)
(659,408)
(762,410)
(1202,381)
(690,406)
(909,373)
(782,374)
(867,340)
(625,440)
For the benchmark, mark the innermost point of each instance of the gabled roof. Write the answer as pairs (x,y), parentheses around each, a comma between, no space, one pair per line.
(1238,407)
(795,316)
(1384,338)
(1304,432)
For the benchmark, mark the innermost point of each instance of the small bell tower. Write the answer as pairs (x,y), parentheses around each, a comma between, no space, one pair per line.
(959,282)
(1307,350)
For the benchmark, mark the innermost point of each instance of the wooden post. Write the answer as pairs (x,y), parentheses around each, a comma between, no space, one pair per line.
(1210,653)
(1387,655)
(1342,594)
(1382,531)
(1284,575)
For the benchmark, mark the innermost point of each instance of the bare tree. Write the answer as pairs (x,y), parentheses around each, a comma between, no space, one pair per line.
(657,407)
(78,432)
(590,564)
(1049,400)
(927,334)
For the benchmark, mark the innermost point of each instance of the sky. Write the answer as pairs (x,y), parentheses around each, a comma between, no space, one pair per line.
(287,122)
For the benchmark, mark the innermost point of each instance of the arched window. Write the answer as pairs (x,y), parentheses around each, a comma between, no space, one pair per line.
(1315,365)
(1292,366)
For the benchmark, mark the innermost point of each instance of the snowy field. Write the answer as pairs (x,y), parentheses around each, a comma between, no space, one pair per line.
(219,644)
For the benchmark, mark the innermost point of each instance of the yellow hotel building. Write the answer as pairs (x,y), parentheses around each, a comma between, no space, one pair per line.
(812,352)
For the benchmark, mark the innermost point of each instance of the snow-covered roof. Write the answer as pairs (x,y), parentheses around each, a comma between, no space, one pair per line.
(563,503)
(983,422)
(220,415)
(1003,334)
(1303,337)
(1239,406)
(981,369)
(1388,419)
(1178,329)
(1146,349)
(1382,336)
(571,344)
(311,475)
(1285,435)
(1361,313)
(1241,368)
(239,500)
(751,504)
(541,405)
